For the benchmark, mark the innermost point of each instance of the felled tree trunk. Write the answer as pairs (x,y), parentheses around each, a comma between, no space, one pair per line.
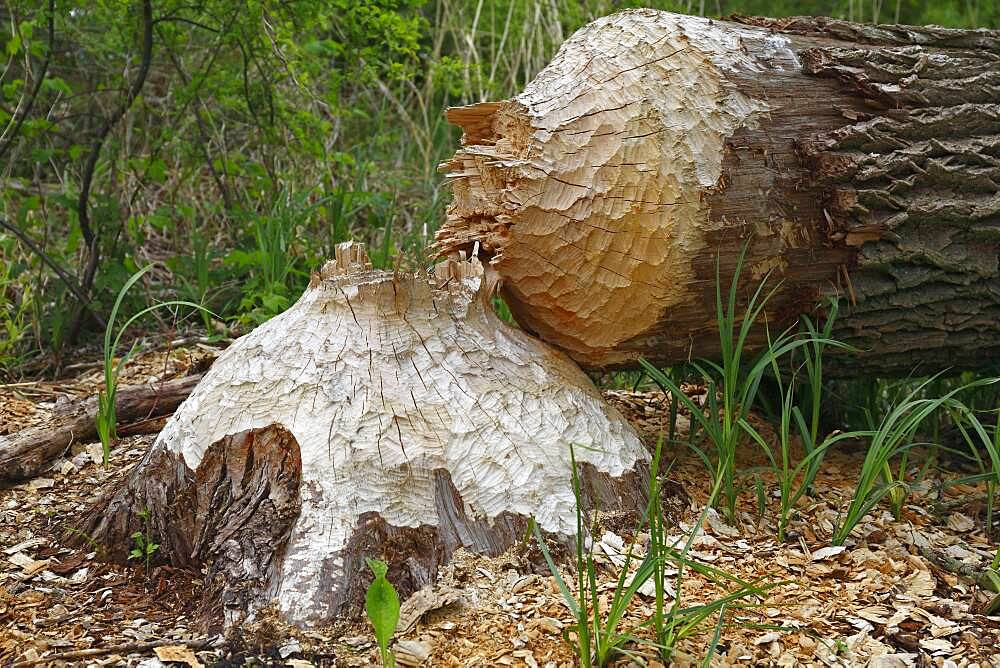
(383,415)
(859,162)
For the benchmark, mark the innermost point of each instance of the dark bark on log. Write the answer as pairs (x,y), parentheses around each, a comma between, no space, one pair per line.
(913,184)
(25,454)
(859,162)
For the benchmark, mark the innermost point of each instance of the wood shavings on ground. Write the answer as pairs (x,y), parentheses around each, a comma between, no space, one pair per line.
(883,600)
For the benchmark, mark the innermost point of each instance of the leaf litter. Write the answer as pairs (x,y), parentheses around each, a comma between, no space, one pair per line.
(889,597)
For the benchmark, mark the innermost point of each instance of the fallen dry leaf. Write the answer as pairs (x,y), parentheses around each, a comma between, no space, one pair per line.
(960,522)
(178,653)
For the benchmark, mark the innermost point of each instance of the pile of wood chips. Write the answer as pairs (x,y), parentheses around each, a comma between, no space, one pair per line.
(897,595)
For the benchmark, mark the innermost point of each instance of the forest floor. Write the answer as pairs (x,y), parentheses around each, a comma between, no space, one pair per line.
(893,597)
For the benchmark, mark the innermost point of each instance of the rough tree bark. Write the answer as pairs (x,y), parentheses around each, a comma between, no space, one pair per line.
(383,415)
(860,162)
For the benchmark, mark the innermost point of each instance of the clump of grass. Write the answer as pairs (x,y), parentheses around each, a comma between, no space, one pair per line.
(382,608)
(796,480)
(892,439)
(733,382)
(671,626)
(980,436)
(600,638)
(107,416)
(14,314)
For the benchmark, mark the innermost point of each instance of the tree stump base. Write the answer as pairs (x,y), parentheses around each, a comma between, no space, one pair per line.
(383,415)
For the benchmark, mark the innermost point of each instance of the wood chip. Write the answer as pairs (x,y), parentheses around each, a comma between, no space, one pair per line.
(828,552)
(179,654)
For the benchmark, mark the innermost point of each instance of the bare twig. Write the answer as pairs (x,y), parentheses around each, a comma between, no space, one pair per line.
(957,567)
(8,138)
(181,19)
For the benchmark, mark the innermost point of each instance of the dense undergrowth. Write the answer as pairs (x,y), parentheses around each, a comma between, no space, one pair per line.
(233,144)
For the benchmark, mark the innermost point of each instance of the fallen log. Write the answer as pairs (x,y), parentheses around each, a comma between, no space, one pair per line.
(27,452)
(383,415)
(858,162)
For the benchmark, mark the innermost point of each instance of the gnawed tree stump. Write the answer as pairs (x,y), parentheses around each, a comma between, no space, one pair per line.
(860,162)
(383,415)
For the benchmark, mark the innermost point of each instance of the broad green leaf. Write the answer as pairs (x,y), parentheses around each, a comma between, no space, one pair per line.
(382,606)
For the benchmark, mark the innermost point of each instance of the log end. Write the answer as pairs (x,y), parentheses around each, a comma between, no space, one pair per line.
(589,192)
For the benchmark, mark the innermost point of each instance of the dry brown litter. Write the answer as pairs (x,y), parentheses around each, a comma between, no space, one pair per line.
(886,599)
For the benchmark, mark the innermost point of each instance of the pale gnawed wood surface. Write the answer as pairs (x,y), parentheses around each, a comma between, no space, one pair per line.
(859,162)
(586,187)
(422,423)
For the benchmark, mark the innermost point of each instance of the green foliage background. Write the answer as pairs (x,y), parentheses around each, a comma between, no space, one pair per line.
(263,133)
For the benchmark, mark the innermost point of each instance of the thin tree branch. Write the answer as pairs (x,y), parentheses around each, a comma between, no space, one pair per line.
(219,181)
(181,19)
(95,151)
(8,138)
(63,275)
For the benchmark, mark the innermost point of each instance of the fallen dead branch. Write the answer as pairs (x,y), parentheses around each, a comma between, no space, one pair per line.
(127,648)
(24,454)
(980,576)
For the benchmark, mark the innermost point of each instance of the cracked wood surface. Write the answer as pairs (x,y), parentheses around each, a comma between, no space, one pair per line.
(859,162)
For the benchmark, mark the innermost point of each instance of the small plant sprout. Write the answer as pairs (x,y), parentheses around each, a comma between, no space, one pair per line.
(382,608)
(144,548)
(106,410)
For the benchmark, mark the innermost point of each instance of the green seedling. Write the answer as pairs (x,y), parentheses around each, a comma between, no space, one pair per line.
(144,548)
(382,608)
(107,418)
